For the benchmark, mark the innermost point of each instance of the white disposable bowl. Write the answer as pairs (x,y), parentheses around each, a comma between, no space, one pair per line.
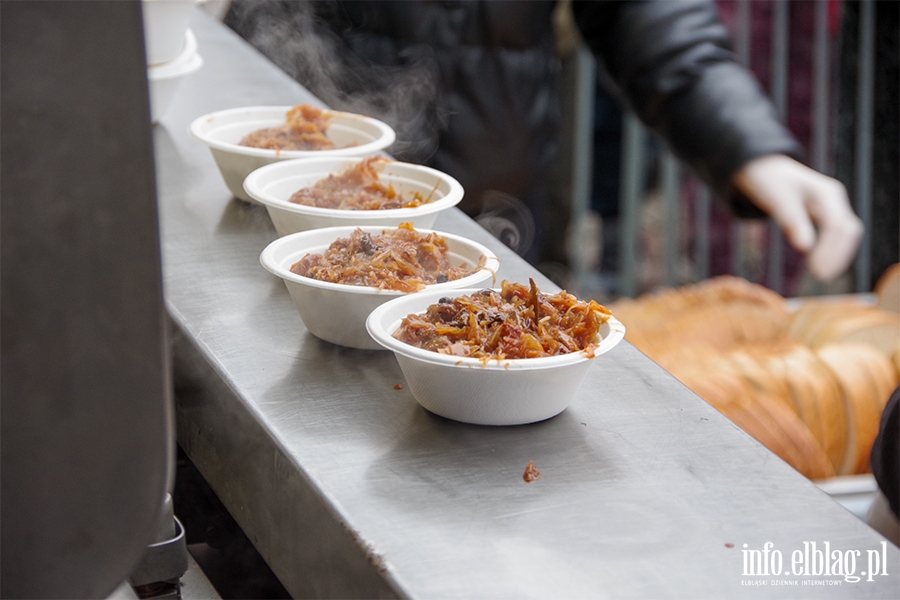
(337,312)
(163,80)
(354,135)
(273,185)
(507,392)
(165,24)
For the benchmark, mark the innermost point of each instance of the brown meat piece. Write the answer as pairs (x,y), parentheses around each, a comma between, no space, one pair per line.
(400,259)
(304,129)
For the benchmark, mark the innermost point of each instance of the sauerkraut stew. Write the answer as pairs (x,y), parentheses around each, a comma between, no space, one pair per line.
(358,188)
(399,259)
(304,128)
(517,322)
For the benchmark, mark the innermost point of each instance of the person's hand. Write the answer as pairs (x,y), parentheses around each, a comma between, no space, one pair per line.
(812,210)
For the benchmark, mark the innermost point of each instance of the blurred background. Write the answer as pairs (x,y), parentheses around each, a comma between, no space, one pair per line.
(622,217)
(829,68)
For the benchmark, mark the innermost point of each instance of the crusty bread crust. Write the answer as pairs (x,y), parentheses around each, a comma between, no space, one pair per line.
(887,289)
(809,384)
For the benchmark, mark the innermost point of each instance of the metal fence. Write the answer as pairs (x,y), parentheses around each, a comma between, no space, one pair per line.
(686,202)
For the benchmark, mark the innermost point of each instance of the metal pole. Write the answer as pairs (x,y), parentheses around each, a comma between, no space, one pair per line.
(738,250)
(742,27)
(779,99)
(820,101)
(702,214)
(865,117)
(633,169)
(582,159)
(821,85)
(742,50)
(671,180)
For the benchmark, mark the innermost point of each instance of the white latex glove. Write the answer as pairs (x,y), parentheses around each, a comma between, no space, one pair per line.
(812,210)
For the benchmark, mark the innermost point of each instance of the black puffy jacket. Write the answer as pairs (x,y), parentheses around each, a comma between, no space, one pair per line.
(472,85)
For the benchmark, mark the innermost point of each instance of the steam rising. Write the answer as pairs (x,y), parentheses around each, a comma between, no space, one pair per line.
(404,95)
(405,92)
(508,219)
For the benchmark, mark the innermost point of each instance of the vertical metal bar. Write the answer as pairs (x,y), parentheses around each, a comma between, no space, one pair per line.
(779,99)
(742,27)
(865,94)
(742,32)
(821,84)
(820,102)
(633,169)
(671,180)
(582,156)
(738,251)
(702,216)
(779,57)
(776,259)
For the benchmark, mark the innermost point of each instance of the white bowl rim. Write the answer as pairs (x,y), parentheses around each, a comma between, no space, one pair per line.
(185,57)
(452,198)
(167,72)
(386,138)
(375,327)
(491,263)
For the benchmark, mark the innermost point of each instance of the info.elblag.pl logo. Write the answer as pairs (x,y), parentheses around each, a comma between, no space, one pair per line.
(813,561)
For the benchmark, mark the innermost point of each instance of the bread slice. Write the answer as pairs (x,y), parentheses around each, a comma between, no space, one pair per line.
(718,388)
(751,363)
(882,372)
(887,289)
(875,327)
(805,404)
(725,326)
(709,327)
(727,288)
(782,432)
(802,392)
(895,358)
(678,358)
(809,385)
(812,383)
(763,417)
(814,315)
(805,315)
(813,461)
(756,323)
(861,401)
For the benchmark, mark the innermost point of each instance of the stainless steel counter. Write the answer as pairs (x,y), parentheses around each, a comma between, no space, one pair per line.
(348,488)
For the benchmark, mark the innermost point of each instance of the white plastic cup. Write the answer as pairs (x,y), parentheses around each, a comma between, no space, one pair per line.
(165,25)
(163,79)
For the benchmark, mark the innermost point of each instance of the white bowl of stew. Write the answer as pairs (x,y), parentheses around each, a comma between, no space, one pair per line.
(222,131)
(337,312)
(275,184)
(508,391)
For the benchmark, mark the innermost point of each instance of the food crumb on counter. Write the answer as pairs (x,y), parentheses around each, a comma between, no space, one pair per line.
(531,472)
(398,386)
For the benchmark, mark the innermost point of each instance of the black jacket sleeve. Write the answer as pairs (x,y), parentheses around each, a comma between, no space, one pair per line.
(673,63)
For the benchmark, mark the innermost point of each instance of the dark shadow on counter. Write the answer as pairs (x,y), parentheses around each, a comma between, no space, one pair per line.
(225,555)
